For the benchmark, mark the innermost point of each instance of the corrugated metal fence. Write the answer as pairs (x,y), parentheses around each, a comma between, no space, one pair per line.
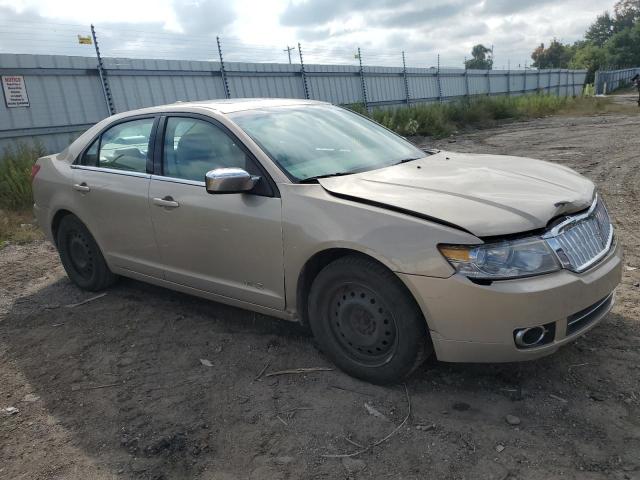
(607,81)
(66,93)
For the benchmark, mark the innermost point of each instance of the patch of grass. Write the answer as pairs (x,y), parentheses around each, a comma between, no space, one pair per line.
(16,199)
(15,175)
(442,119)
(18,227)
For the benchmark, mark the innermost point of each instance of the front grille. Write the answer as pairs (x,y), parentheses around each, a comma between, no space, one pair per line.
(581,319)
(581,240)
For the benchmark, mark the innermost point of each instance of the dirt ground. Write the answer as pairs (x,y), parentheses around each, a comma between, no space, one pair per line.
(115,388)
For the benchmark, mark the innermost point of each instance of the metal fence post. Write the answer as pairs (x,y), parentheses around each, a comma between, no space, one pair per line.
(573,83)
(509,79)
(524,87)
(103,75)
(439,82)
(538,81)
(558,84)
(466,81)
(406,80)
(223,72)
(363,84)
(488,83)
(303,73)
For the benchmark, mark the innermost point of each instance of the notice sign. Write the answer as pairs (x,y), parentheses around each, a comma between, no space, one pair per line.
(15,91)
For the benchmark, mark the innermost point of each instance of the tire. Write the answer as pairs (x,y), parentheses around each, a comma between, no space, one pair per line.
(366,321)
(81,257)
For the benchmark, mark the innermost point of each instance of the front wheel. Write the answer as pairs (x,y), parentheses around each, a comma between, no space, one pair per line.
(366,322)
(81,257)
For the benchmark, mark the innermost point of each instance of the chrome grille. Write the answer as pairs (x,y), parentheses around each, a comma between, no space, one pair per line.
(582,240)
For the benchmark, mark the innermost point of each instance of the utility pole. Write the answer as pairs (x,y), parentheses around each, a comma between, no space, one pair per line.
(288,50)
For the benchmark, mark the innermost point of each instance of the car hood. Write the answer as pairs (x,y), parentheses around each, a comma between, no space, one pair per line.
(486,195)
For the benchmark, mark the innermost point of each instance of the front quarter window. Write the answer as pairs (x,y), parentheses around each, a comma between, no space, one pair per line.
(319,140)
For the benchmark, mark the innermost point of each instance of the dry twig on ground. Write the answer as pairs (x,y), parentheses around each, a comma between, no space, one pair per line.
(382,440)
(299,370)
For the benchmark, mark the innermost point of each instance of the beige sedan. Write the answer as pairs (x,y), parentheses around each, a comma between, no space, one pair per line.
(311,213)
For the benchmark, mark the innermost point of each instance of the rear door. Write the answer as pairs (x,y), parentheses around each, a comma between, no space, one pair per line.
(226,244)
(111,181)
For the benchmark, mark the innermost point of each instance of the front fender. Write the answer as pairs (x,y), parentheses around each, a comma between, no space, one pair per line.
(315,221)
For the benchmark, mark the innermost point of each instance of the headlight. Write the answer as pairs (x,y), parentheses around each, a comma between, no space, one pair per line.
(507,259)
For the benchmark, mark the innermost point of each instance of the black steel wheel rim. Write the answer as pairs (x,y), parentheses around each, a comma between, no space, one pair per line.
(80,254)
(362,324)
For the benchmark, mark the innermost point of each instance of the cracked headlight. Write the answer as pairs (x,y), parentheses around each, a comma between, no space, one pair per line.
(502,260)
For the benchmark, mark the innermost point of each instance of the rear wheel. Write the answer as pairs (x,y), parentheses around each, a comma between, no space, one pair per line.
(81,256)
(366,322)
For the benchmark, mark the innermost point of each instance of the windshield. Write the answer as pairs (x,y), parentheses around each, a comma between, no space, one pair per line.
(323,140)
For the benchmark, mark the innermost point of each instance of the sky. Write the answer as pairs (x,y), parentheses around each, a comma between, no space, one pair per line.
(330,31)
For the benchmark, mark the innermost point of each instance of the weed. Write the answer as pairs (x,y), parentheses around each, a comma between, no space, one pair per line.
(15,175)
(442,119)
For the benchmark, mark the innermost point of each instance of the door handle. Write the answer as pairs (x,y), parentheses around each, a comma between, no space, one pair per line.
(167,202)
(81,187)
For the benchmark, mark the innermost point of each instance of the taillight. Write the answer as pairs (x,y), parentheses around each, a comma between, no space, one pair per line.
(34,171)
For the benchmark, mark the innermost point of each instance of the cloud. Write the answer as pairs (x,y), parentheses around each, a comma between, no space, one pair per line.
(420,17)
(472,31)
(41,35)
(322,34)
(332,29)
(202,17)
(319,12)
(508,7)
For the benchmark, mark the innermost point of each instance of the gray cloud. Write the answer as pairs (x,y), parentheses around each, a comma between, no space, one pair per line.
(319,12)
(388,13)
(321,34)
(204,16)
(508,7)
(474,30)
(419,17)
(330,30)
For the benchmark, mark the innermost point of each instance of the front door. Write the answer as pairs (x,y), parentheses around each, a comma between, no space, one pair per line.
(112,183)
(226,244)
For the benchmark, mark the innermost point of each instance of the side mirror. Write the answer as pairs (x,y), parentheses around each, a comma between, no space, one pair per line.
(229,180)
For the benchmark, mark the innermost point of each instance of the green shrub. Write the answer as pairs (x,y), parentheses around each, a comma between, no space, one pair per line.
(442,119)
(15,175)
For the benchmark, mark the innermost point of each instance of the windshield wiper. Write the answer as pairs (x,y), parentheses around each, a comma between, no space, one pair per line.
(315,178)
(407,160)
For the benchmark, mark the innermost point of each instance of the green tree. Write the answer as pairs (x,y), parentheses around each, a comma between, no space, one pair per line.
(627,14)
(590,57)
(601,30)
(556,55)
(623,49)
(482,58)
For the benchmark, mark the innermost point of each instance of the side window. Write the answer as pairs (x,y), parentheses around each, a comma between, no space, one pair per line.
(124,146)
(192,147)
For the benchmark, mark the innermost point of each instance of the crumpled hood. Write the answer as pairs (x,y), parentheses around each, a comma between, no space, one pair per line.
(486,195)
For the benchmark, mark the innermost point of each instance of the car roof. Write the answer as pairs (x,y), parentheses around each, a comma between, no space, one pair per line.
(231,105)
